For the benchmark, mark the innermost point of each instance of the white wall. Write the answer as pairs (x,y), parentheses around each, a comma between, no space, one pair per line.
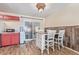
(33,20)
(69,16)
(9,24)
(25,16)
(13,25)
(1,26)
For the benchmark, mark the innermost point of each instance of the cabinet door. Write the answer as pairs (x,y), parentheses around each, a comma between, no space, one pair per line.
(15,38)
(8,17)
(0,40)
(5,39)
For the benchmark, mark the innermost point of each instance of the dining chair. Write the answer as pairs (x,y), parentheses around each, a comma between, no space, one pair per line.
(50,39)
(59,40)
(40,41)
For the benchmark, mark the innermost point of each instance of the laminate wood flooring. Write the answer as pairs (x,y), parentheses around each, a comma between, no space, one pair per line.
(30,49)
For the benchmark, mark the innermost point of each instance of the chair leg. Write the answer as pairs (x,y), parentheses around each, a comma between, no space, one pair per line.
(48,48)
(58,45)
(53,46)
(62,43)
(42,51)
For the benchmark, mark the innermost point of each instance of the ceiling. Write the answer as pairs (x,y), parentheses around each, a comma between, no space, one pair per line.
(29,9)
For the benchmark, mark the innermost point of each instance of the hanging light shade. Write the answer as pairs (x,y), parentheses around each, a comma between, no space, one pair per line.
(40,6)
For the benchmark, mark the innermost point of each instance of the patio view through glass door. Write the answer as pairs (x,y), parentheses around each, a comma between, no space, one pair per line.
(30,30)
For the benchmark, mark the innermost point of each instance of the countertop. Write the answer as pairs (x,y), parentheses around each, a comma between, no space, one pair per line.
(9,32)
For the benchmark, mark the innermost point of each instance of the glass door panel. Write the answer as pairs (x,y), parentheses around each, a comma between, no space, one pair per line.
(28,30)
(34,26)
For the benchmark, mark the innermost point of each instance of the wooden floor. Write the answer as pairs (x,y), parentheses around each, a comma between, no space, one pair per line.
(30,49)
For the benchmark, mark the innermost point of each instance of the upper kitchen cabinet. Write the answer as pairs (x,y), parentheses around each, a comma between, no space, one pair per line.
(8,17)
(1,16)
(15,18)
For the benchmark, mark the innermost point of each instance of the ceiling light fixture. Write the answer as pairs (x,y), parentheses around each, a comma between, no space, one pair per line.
(40,6)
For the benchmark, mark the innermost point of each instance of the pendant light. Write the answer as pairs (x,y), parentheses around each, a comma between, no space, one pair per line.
(40,6)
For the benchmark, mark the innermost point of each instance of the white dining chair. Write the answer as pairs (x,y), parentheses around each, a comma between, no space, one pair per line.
(40,41)
(59,40)
(50,39)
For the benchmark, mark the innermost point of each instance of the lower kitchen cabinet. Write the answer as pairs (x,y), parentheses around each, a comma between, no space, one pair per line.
(10,39)
(5,39)
(0,40)
(15,38)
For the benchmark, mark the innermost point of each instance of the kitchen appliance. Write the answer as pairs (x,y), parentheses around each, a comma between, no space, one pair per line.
(22,35)
(10,30)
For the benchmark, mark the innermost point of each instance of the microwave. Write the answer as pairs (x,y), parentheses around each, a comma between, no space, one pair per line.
(10,30)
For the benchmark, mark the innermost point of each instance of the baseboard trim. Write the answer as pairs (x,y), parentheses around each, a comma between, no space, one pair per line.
(71,49)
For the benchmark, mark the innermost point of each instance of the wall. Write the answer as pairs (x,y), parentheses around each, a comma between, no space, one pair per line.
(1,26)
(9,24)
(41,21)
(66,19)
(25,16)
(12,24)
(68,16)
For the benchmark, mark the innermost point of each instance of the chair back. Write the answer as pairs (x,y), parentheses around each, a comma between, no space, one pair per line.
(61,34)
(51,33)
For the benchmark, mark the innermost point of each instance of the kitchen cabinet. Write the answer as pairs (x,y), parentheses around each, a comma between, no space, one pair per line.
(0,40)
(9,17)
(15,38)
(10,39)
(6,39)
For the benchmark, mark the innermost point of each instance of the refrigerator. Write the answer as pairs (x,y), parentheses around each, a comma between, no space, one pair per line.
(22,35)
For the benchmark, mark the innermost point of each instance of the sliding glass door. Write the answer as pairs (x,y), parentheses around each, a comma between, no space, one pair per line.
(34,26)
(30,29)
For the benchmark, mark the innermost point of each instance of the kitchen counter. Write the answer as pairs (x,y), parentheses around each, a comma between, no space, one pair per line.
(9,32)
